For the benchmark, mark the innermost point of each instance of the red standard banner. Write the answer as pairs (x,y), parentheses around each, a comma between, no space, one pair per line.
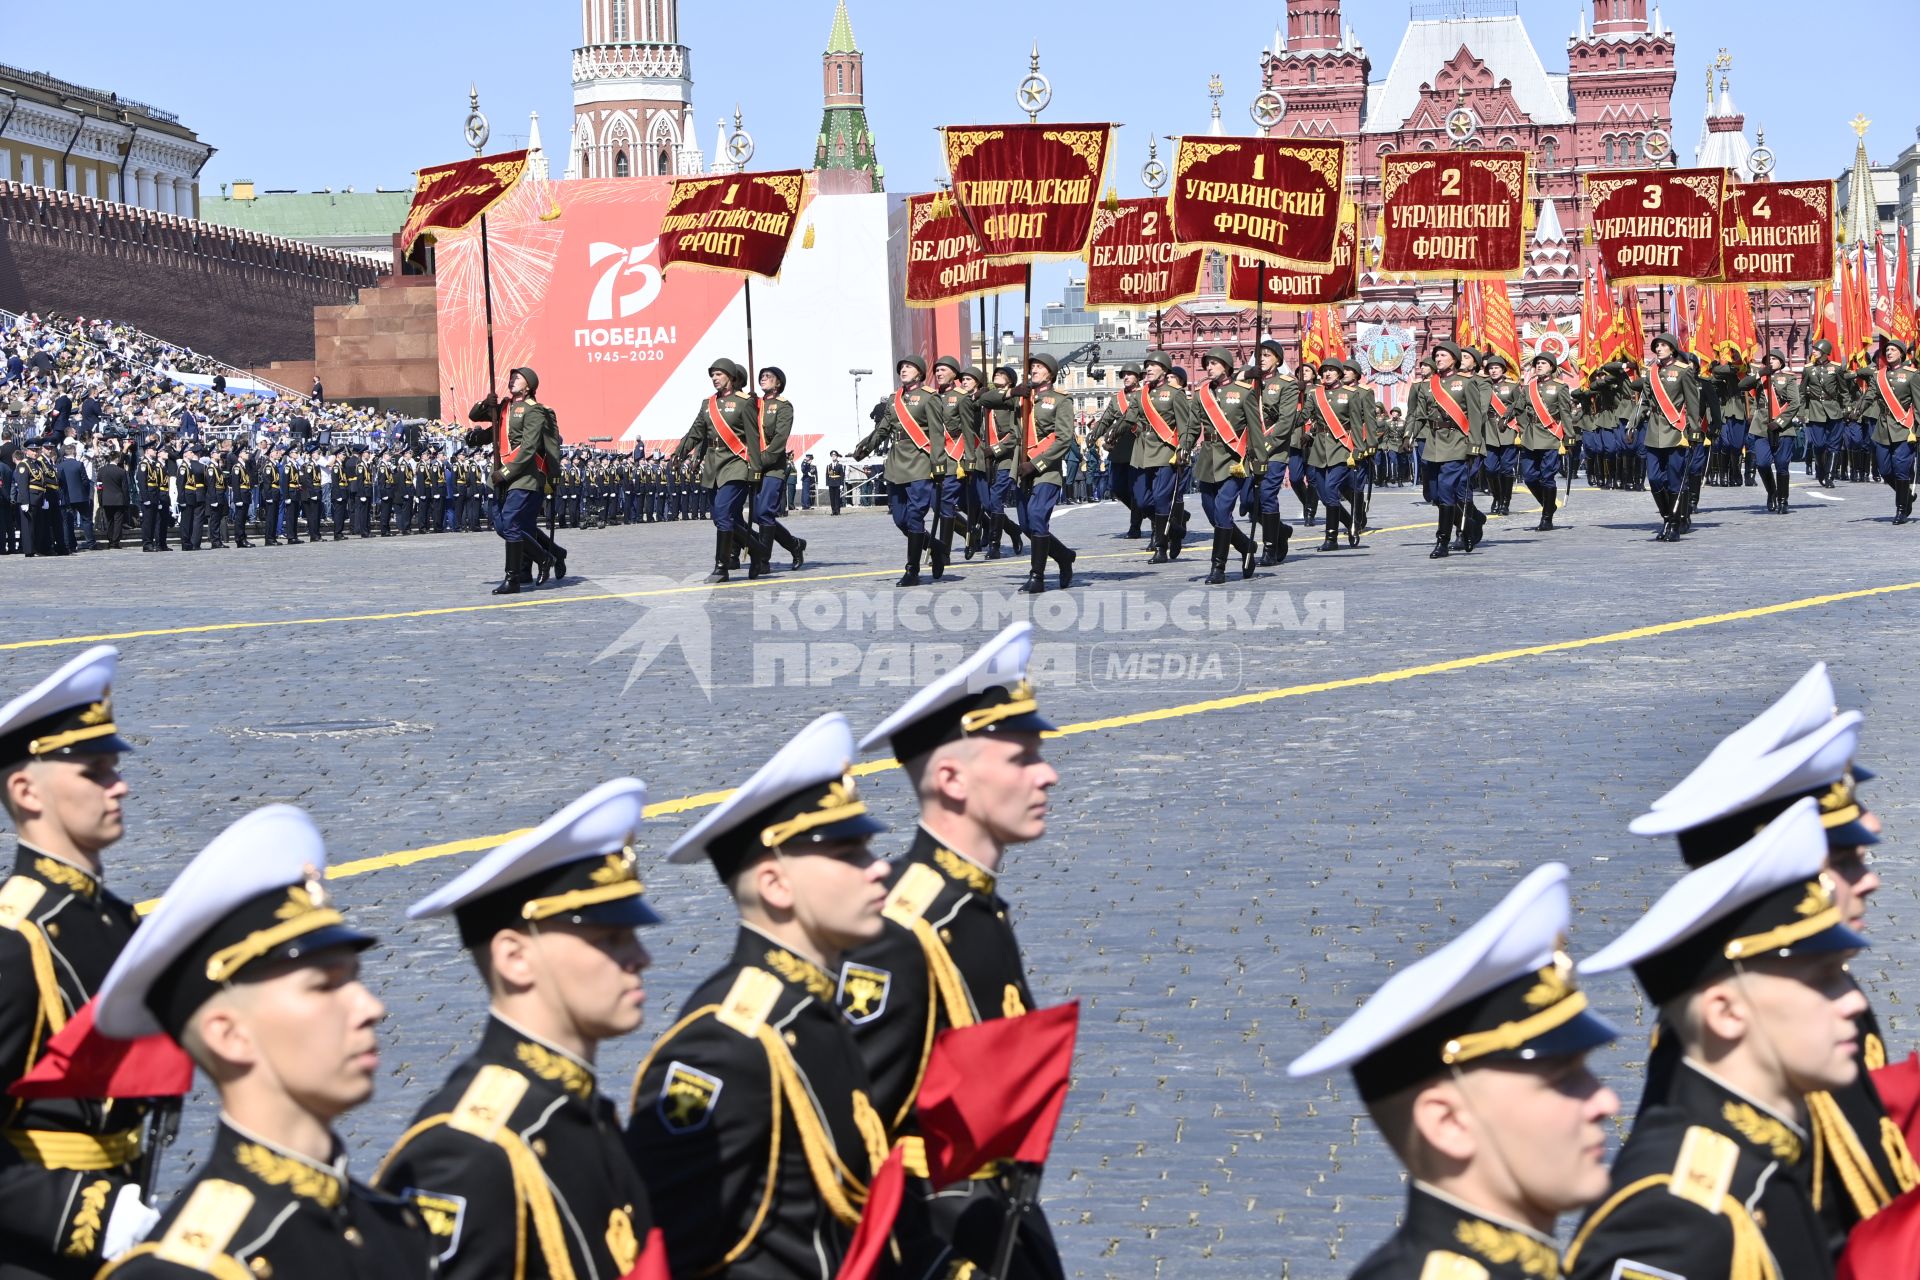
(1778,233)
(1290,288)
(446,197)
(1657,226)
(1453,216)
(1134,261)
(1028,190)
(944,262)
(740,224)
(1278,199)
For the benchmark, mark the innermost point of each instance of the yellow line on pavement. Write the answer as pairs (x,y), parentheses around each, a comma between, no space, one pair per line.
(706,799)
(784,580)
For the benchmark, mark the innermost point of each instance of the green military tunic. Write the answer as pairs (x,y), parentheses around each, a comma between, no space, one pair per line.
(1165,426)
(1682,390)
(1279,417)
(1228,445)
(721,462)
(1893,394)
(1332,429)
(907,459)
(532,449)
(1505,426)
(776,430)
(1450,439)
(1552,396)
(960,445)
(1046,433)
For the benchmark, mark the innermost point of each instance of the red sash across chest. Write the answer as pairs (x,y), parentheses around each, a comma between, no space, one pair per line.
(1676,418)
(1903,416)
(907,424)
(1448,405)
(1158,423)
(1218,417)
(728,436)
(1547,420)
(1332,419)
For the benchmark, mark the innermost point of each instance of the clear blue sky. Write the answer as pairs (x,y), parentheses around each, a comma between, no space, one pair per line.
(355,93)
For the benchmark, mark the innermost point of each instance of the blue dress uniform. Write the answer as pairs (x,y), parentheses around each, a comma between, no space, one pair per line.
(1164,431)
(1799,748)
(1713,1182)
(251,903)
(64,1162)
(519,1154)
(909,427)
(1776,421)
(949,957)
(752,1121)
(1045,435)
(1500,996)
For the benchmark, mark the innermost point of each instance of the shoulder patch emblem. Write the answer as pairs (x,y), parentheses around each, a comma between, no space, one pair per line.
(749,1001)
(863,992)
(18,898)
(1704,1170)
(687,1098)
(489,1101)
(1442,1265)
(1628,1269)
(919,886)
(211,1219)
(444,1214)
(620,1242)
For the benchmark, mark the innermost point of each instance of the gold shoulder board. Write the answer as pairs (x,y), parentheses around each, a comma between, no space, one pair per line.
(210,1220)
(749,1001)
(18,898)
(1442,1265)
(488,1102)
(918,888)
(1704,1170)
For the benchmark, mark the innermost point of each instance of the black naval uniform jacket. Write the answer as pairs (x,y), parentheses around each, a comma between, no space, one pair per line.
(1710,1186)
(751,1122)
(519,1156)
(256,1211)
(948,958)
(1442,1239)
(63,1160)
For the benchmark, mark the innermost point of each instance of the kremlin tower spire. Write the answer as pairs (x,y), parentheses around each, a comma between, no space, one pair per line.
(844,157)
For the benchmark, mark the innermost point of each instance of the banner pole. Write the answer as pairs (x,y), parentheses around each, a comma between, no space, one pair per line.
(486,292)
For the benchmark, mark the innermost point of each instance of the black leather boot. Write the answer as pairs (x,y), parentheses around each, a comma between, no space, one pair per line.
(1249,550)
(1217,568)
(916,543)
(722,542)
(1443,534)
(1036,568)
(1064,556)
(510,581)
(1159,540)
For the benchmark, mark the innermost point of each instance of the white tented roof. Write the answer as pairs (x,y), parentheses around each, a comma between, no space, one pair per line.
(1501,42)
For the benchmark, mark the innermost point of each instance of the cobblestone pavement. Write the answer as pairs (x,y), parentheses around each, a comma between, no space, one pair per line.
(1220,885)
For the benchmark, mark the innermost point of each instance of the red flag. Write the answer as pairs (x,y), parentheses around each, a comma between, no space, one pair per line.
(1906,320)
(1883,296)
(1497,328)
(993,1091)
(869,1244)
(1826,325)
(652,1264)
(82,1063)
(1898,1084)
(1885,1245)
(447,197)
